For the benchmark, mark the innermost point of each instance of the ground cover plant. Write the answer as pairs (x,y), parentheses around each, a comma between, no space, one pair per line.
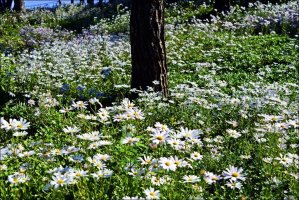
(228,130)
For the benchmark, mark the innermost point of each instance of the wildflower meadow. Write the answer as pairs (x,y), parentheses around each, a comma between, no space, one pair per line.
(229,128)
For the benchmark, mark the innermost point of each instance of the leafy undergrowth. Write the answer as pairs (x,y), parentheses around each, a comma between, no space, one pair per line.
(228,130)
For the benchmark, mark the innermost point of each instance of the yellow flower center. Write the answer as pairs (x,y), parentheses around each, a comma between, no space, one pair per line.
(235,174)
(167,164)
(15,180)
(160,137)
(147,161)
(20,126)
(60,181)
(152,194)
(78,174)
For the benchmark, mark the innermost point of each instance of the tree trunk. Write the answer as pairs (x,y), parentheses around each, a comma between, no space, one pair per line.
(72,1)
(90,2)
(5,5)
(19,6)
(222,5)
(148,45)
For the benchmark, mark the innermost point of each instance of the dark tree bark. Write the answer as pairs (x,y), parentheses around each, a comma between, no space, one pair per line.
(222,5)
(19,6)
(5,5)
(148,45)
(72,1)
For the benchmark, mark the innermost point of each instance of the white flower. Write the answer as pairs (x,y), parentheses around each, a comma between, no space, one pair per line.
(211,178)
(20,133)
(103,114)
(161,127)
(78,173)
(71,129)
(126,104)
(151,193)
(102,157)
(145,160)
(17,178)
(65,110)
(159,137)
(233,184)
(59,180)
(130,140)
(285,160)
(191,179)
(26,154)
(189,134)
(92,136)
(233,133)
(130,198)
(31,102)
(137,113)
(14,124)
(94,100)
(21,125)
(176,143)
(167,164)
(196,156)
(5,124)
(233,173)
(272,118)
(158,180)
(3,167)
(79,105)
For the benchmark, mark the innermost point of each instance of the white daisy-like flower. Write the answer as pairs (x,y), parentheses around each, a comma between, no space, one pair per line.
(94,101)
(102,157)
(103,114)
(151,193)
(196,156)
(92,136)
(3,167)
(6,125)
(233,173)
(233,133)
(176,144)
(59,180)
(211,178)
(71,129)
(161,127)
(234,184)
(167,164)
(17,178)
(191,179)
(77,173)
(285,160)
(20,133)
(79,105)
(130,140)
(22,124)
(159,137)
(145,160)
(131,198)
